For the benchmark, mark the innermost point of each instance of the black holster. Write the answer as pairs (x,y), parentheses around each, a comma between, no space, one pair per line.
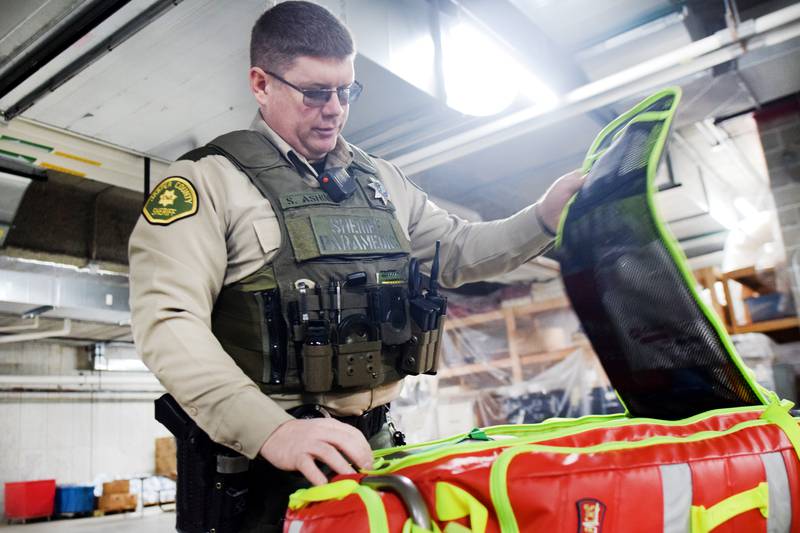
(212,479)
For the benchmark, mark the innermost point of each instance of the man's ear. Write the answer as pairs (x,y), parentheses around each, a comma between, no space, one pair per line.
(259,84)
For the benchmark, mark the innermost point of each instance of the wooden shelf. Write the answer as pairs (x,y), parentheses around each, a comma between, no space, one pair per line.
(754,283)
(760,281)
(502,314)
(507,362)
(516,358)
(769,325)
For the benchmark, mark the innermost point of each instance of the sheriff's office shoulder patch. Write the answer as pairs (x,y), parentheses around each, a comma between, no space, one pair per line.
(172,199)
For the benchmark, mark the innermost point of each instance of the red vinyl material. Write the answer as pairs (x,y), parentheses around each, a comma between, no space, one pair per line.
(546,488)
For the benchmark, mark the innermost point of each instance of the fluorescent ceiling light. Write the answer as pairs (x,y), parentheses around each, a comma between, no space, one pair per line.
(481,78)
(744,207)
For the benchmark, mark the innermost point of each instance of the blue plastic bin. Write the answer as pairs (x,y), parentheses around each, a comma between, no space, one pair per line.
(770,306)
(74,499)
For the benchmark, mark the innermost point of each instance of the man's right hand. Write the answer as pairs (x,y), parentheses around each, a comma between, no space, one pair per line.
(296,444)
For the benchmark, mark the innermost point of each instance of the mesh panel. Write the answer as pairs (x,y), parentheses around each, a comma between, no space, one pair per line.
(658,348)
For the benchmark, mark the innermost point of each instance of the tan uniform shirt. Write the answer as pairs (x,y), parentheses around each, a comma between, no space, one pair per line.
(177,271)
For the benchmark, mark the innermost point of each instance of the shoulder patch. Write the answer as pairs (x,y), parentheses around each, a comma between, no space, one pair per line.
(172,199)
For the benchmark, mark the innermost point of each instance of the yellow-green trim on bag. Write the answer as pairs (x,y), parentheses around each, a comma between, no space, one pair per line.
(376,512)
(705,520)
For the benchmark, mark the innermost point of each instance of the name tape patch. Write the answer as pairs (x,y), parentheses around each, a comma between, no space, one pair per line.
(302,199)
(337,235)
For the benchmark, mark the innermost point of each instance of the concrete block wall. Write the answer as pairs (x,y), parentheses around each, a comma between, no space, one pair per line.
(41,358)
(779,129)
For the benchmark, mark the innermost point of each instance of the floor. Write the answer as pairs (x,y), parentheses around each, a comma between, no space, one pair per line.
(152,521)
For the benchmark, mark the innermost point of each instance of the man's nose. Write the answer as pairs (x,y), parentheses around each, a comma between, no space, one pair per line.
(332,107)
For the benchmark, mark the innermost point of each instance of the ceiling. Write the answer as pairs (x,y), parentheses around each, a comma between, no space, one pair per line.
(181,80)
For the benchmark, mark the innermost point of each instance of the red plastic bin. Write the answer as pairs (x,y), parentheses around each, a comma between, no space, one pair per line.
(30,499)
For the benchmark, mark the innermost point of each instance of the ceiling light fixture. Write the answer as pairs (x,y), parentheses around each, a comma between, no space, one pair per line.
(481,78)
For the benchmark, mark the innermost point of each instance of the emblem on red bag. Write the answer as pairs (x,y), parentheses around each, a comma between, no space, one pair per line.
(591,513)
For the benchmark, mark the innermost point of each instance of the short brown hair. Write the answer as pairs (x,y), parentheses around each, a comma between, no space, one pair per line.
(293,29)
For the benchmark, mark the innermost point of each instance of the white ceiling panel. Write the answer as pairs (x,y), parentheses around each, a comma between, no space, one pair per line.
(186,71)
(575,24)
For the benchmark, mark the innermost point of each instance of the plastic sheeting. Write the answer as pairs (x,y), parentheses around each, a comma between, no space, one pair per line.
(557,374)
(570,388)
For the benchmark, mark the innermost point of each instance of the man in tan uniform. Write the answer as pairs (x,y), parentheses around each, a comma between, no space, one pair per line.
(207,226)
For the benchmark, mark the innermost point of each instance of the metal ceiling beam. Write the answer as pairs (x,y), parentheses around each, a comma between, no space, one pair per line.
(47,147)
(129,29)
(716,49)
(64,36)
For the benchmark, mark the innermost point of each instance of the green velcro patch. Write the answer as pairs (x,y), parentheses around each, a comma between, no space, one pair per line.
(172,199)
(345,234)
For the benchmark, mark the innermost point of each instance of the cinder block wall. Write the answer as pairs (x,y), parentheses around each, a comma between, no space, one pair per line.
(779,128)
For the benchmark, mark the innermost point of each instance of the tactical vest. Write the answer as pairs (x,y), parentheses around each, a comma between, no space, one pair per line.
(331,311)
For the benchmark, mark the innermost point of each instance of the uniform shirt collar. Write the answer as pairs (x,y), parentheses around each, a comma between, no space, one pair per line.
(340,156)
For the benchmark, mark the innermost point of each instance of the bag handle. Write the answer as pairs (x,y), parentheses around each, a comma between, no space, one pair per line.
(704,520)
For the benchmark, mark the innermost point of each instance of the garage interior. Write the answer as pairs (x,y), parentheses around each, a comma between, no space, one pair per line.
(482,103)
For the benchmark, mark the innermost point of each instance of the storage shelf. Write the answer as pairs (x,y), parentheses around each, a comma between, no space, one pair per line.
(515,359)
(753,282)
(525,359)
(769,325)
(502,314)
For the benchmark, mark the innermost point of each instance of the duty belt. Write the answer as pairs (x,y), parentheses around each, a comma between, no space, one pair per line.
(369,423)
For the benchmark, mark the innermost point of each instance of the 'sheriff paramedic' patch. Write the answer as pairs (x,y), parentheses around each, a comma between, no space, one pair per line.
(172,199)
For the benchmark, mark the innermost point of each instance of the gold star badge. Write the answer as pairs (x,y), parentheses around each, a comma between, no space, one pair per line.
(167,198)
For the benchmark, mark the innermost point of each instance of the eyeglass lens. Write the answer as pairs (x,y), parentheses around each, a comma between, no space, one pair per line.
(318,98)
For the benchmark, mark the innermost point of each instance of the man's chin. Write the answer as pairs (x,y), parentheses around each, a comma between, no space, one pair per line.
(319,150)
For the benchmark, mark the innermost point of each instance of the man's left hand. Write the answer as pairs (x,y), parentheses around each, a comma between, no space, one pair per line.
(553,201)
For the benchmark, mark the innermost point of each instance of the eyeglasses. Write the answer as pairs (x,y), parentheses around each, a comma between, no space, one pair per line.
(319,97)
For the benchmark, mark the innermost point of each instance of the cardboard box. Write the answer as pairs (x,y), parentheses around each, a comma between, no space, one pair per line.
(166,457)
(117,502)
(120,486)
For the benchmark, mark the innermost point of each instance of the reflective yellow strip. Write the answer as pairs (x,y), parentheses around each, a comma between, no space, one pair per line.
(50,166)
(332,491)
(78,158)
(705,520)
(376,512)
(778,414)
(528,434)
(453,502)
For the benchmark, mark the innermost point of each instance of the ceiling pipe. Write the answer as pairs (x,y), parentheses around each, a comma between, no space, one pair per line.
(93,381)
(22,337)
(21,327)
(764,31)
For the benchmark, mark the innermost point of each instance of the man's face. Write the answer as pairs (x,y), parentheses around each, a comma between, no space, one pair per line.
(311,131)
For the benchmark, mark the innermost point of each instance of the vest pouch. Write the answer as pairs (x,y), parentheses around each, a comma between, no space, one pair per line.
(317,356)
(395,327)
(415,357)
(359,364)
(435,348)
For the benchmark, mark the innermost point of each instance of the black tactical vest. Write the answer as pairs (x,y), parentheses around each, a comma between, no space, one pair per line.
(331,311)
